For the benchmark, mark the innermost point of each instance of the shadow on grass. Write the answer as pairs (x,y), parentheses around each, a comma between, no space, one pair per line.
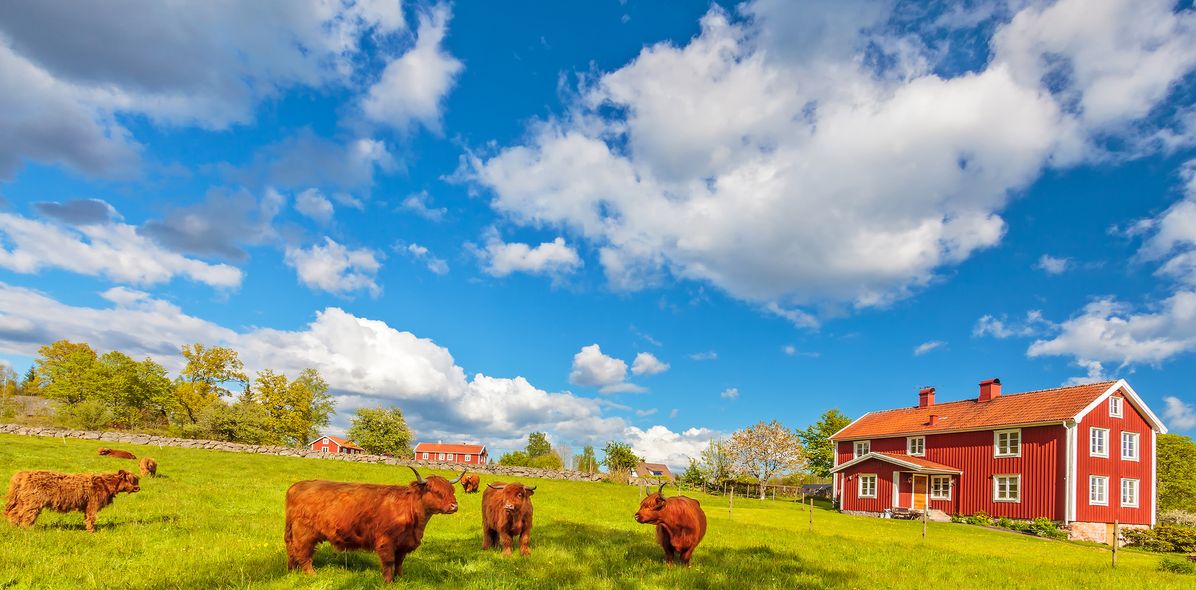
(103,525)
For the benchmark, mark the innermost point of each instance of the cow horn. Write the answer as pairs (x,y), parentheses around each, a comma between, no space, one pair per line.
(532,488)
(660,490)
(418,477)
(458,478)
(490,485)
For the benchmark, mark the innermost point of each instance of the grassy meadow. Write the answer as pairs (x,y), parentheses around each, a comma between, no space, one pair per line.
(215,520)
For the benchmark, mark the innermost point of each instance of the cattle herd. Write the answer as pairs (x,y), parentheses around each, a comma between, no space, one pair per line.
(387,519)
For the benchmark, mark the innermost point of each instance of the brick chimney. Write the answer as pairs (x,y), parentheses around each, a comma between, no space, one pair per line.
(934,419)
(990,390)
(926,397)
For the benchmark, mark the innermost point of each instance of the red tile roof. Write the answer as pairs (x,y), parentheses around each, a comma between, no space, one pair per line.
(1046,405)
(921,463)
(449,448)
(344,442)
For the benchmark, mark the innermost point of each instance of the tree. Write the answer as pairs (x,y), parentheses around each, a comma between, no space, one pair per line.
(565,453)
(764,450)
(206,377)
(381,431)
(1176,472)
(820,450)
(30,385)
(693,474)
(537,444)
(619,460)
(515,459)
(294,409)
(587,462)
(68,371)
(244,422)
(8,388)
(715,461)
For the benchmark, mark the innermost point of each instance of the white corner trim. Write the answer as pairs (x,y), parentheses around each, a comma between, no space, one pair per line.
(1154,480)
(1131,395)
(896,488)
(1070,477)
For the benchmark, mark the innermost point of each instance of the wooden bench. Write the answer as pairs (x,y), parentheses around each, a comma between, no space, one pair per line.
(907,513)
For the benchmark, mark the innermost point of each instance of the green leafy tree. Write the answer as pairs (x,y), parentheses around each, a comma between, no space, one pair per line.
(294,409)
(381,431)
(68,371)
(820,450)
(716,461)
(515,459)
(537,444)
(693,475)
(549,460)
(244,422)
(587,462)
(207,376)
(1176,472)
(619,457)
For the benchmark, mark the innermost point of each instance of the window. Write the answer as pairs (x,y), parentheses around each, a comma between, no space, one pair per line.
(1007,488)
(862,447)
(1115,404)
(442,456)
(940,487)
(1098,442)
(916,445)
(1098,490)
(1129,493)
(425,456)
(469,458)
(868,486)
(1008,443)
(1129,446)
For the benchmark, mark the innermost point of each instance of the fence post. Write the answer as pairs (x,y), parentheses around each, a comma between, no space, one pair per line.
(811,515)
(731,502)
(925,511)
(1116,541)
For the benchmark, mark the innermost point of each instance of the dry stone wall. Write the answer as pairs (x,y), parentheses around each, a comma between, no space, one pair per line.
(187,443)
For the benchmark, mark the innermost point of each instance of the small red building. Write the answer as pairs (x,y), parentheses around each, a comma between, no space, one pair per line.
(449,453)
(1082,455)
(335,444)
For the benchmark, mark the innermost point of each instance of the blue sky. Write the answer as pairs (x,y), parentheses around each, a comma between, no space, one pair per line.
(656,222)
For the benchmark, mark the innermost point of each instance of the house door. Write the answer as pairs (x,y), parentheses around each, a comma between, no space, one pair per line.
(919,492)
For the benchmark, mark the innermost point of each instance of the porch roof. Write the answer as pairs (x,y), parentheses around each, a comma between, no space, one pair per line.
(914,464)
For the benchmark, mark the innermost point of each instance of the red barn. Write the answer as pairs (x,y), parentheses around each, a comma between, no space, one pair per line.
(335,444)
(463,453)
(1083,456)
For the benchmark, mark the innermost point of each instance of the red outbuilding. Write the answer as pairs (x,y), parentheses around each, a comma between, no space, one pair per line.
(335,444)
(449,453)
(1083,456)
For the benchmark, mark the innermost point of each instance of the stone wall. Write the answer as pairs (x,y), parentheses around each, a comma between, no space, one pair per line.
(1098,532)
(186,443)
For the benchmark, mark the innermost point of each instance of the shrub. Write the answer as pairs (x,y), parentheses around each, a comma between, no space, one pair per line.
(91,414)
(1005,522)
(1177,565)
(1044,527)
(1164,538)
(1178,517)
(980,518)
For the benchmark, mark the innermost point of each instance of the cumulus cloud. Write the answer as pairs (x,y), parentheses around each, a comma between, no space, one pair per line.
(549,258)
(421,253)
(335,268)
(1172,234)
(593,368)
(1002,327)
(658,444)
(314,206)
(1095,373)
(928,346)
(78,211)
(1180,415)
(647,364)
(413,86)
(304,160)
(1051,265)
(114,251)
(1107,330)
(730,393)
(219,225)
(759,156)
(420,204)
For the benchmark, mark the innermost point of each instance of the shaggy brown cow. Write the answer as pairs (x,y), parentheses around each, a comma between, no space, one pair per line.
(119,454)
(30,492)
(148,467)
(680,523)
(470,483)
(507,513)
(387,519)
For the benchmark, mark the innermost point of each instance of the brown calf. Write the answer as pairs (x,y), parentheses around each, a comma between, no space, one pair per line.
(387,519)
(148,467)
(119,454)
(680,524)
(507,513)
(30,492)
(470,483)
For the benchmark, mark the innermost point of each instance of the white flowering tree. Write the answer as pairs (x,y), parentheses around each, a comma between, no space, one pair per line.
(766,449)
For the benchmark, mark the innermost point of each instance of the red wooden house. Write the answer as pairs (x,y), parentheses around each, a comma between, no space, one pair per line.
(335,444)
(1083,456)
(449,453)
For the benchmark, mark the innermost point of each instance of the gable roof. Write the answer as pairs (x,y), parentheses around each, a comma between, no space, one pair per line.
(449,448)
(344,442)
(1032,407)
(650,467)
(916,464)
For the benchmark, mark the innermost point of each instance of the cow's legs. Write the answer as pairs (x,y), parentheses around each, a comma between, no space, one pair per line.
(300,550)
(488,535)
(686,554)
(504,538)
(399,557)
(89,516)
(525,540)
(386,554)
(666,543)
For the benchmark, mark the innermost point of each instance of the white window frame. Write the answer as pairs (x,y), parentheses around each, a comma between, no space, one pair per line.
(1092,479)
(1134,437)
(1009,452)
(1016,477)
(947,487)
(1092,438)
(425,456)
(860,486)
(909,446)
(1116,407)
(867,444)
(1134,487)
(469,458)
(441,457)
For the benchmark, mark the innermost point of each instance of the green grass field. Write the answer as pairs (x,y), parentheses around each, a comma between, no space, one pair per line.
(215,520)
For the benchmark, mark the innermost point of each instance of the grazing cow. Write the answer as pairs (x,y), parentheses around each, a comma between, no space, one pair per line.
(148,467)
(507,513)
(387,519)
(680,524)
(470,483)
(119,454)
(30,492)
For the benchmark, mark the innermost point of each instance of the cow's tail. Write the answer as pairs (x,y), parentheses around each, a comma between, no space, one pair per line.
(14,492)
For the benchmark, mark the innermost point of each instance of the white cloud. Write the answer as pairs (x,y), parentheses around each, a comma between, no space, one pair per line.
(1109,331)
(730,393)
(219,225)
(1002,328)
(549,258)
(646,413)
(114,251)
(772,158)
(434,264)
(1095,373)
(1173,234)
(791,350)
(928,346)
(1179,414)
(673,413)
(335,268)
(708,355)
(1051,265)
(647,364)
(413,86)
(593,368)
(418,203)
(313,205)
(658,444)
